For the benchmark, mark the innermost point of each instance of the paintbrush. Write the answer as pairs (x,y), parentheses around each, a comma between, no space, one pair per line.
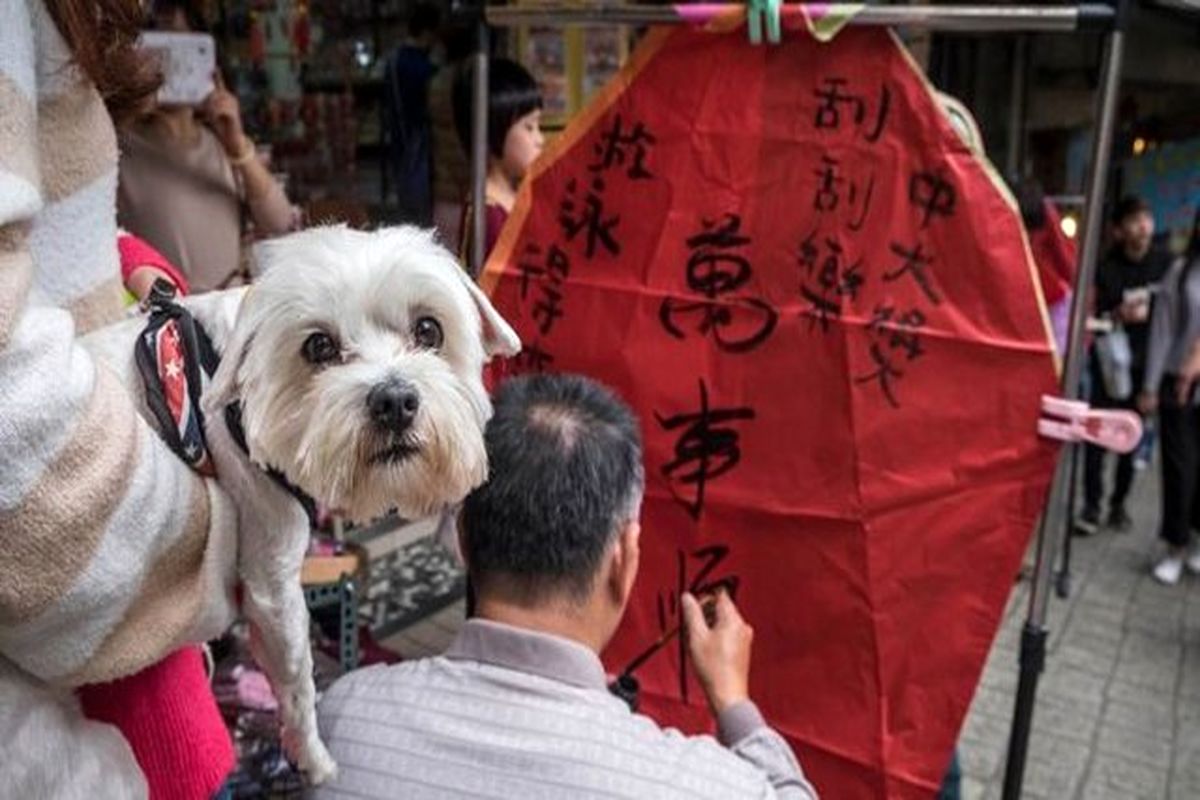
(708,604)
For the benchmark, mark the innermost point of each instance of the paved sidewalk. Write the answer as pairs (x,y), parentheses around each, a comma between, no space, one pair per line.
(1118,709)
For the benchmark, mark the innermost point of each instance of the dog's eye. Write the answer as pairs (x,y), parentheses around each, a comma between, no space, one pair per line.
(428,333)
(319,348)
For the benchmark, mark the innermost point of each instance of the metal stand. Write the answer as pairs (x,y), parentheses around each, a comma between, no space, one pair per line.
(1085,17)
(479,148)
(1033,638)
(1062,578)
(344,595)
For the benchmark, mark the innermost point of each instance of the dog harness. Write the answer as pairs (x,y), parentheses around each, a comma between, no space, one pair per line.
(176,358)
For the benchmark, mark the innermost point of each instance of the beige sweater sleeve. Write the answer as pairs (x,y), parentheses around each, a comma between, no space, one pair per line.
(108,539)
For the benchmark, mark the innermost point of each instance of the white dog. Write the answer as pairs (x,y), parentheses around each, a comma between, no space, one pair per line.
(355,362)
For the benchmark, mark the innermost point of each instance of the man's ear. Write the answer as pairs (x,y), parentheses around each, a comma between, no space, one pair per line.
(626,556)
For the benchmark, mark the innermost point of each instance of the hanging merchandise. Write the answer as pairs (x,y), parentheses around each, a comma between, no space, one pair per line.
(821,303)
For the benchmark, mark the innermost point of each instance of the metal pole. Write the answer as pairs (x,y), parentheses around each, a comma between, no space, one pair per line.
(967,19)
(1033,638)
(479,149)
(1016,110)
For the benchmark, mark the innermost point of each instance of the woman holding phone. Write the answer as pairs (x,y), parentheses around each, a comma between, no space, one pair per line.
(189,174)
(1174,331)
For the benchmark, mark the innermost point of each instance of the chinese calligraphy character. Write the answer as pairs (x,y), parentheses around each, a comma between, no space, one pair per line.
(833,98)
(915,260)
(556,265)
(711,249)
(828,180)
(705,449)
(703,584)
(932,194)
(611,149)
(884,372)
(828,195)
(716,267)
(590,218)
(834,279)
(892,334)
(548,309)
(901,331)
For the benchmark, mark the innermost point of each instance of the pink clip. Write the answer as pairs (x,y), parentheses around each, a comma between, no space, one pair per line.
(1075,421)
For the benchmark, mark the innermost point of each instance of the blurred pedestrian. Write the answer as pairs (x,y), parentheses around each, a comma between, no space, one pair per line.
(406,81)
(1124,284)
(1174,330)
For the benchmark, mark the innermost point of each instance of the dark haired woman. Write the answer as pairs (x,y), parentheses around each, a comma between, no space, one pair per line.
(514,136)
(1174,330)
(191,179)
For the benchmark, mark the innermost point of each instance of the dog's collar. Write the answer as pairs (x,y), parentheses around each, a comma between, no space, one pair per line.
(176,358)
(233,421)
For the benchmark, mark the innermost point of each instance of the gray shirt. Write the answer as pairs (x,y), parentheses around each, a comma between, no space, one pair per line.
(511,713)
(1171,336)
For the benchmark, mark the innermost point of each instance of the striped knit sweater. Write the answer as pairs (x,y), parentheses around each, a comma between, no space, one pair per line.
(105,563)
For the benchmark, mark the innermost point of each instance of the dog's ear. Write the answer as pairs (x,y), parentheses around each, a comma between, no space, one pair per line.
(499,339)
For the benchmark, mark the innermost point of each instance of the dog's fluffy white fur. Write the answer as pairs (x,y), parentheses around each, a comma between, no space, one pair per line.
(312,421)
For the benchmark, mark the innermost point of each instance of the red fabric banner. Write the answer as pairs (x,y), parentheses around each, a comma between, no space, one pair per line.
(824,310)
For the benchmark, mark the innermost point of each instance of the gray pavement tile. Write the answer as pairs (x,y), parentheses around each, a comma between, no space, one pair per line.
(1144,719)
(1152,751)
(1082,688)
(1056,766)
(1138,695)
(1185,780)
(983,745)
(983,762)
(1065,718)
(992,701)
(1115,777)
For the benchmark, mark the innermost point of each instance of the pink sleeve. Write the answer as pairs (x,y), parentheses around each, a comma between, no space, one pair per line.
(137,253)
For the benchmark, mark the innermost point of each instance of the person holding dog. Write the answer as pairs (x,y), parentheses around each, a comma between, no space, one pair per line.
(79,467)
(518,705)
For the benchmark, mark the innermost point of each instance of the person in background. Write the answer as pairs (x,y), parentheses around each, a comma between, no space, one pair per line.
(518,706)
(1125,281)
(451,168)
(1174,331)
(77,460)
(142,266)
(186,173)
(406,109)
(1054,255)
(514,140)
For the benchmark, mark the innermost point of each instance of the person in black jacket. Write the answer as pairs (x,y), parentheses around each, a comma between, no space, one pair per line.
(1125,282)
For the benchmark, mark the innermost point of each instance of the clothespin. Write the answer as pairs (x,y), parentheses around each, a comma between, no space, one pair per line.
(1075,421)
(756,11)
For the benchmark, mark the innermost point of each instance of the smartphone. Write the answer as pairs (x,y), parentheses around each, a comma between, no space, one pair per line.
(187,61)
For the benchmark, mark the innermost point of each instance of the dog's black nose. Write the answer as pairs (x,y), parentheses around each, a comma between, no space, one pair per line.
(393,405)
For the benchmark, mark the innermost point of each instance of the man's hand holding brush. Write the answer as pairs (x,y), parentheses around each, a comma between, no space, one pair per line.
(720,650)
